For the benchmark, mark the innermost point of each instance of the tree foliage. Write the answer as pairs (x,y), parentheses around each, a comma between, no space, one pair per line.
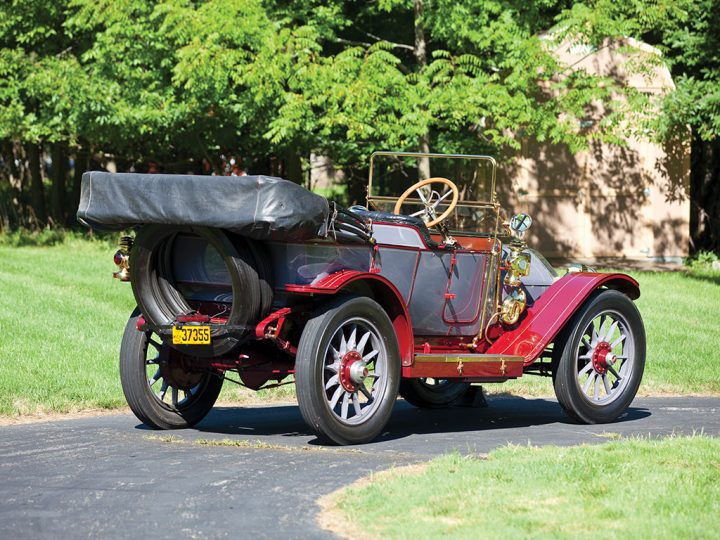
(178,81)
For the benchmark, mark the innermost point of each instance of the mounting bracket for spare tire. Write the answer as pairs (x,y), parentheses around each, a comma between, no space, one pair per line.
(161,303)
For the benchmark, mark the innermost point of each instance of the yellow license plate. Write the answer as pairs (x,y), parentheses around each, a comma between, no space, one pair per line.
(191,335)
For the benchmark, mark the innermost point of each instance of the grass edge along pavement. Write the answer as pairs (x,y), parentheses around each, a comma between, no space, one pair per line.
(631,488)
(62,317)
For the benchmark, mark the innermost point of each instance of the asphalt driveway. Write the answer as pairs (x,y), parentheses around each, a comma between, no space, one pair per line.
(111,477)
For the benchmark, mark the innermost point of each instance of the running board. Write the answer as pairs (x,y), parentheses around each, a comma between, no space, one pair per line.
(489,367)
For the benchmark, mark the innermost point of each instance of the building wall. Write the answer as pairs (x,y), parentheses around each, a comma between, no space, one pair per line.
(609,201)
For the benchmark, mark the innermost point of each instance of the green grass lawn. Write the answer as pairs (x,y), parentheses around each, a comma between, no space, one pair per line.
(627,489)
(62,317)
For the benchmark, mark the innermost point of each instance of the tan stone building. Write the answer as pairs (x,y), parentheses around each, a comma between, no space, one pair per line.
(628,202)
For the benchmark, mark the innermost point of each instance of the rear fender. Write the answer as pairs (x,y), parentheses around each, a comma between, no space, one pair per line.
(553,309)
(375,286)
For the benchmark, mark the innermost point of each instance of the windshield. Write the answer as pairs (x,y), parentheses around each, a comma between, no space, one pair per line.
(476,213)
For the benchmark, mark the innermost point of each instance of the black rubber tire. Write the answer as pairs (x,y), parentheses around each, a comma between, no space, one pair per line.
(425,396)
(310,364)
(264,269)
(141,399)
(567,388)
(161,303)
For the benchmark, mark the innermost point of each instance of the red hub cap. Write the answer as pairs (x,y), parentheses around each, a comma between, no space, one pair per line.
(602,357)
(176,371)
(352,371)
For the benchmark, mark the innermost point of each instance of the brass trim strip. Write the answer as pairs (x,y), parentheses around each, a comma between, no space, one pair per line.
(475,358)
(493,266)
(465,204)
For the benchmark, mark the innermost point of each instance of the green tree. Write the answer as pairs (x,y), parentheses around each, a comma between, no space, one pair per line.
(444,76)
(34,60)
(692,45)
(178,81)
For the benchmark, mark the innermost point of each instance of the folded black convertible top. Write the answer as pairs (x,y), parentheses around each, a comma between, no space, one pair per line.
(260,207)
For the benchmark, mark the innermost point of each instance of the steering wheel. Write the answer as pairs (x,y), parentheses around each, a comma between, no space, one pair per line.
(428,214)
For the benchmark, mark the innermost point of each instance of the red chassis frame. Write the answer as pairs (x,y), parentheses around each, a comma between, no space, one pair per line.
(512,351)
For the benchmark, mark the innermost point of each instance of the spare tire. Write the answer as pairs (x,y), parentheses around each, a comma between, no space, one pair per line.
(261,257)
(163,256)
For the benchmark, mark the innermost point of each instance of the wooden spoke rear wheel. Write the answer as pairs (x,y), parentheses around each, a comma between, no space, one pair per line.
(347,371)
(159,388)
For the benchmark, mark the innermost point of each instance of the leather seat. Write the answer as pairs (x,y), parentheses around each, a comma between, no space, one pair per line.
(387,217)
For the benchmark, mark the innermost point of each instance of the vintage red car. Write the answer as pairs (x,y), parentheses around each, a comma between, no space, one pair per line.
(423,292)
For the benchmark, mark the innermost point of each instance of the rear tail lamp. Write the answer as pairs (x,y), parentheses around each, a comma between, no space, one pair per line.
(122,259)
(119,258)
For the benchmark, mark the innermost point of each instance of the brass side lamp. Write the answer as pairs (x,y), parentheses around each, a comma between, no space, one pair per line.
(517,266)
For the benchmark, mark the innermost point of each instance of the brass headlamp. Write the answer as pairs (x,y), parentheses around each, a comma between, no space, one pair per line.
(517,267)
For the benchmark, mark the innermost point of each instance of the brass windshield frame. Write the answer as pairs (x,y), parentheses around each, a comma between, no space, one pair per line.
(478,157)
(492,204)
(495,251)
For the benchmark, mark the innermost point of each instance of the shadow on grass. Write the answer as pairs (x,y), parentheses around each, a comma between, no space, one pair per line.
(283,423)
(713,278)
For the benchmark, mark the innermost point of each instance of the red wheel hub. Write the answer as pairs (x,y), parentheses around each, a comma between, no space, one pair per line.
(352,371)
(176,371)
(602,357)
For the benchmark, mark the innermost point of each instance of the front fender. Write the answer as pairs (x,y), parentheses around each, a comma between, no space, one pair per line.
(553,309)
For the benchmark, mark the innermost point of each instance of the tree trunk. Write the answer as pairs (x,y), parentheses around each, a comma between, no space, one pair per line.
(57,193)
(81,165)
(421,59)
(356,180)
(37,191)
(705,195)
(13,155)
(9,156)
(293,167)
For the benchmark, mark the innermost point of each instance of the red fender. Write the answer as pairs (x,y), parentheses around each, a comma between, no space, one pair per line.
(385,294)
(553,309)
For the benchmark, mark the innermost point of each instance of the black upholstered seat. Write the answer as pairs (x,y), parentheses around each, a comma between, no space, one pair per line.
(387,217)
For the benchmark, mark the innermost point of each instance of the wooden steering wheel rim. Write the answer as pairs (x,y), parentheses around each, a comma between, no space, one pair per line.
(422,183)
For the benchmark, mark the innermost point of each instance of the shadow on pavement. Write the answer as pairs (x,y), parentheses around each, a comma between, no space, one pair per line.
(406,420)
(502,413)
